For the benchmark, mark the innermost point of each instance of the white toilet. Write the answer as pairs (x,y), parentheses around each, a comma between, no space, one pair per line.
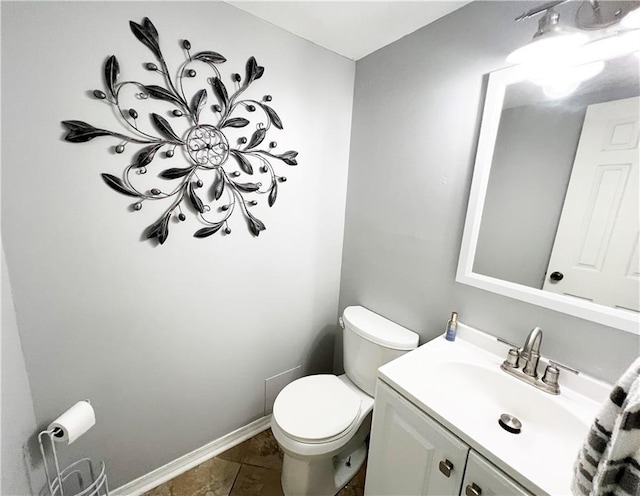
(321,422)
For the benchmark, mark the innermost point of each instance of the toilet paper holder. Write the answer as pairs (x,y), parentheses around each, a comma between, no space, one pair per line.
(80,478)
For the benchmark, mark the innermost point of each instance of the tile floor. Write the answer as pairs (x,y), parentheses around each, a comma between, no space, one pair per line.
(251,468)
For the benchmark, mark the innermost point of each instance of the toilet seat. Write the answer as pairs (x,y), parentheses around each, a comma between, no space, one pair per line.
(316,409)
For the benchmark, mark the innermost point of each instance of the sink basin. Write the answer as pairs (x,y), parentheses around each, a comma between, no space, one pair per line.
(489,392)
(461,385)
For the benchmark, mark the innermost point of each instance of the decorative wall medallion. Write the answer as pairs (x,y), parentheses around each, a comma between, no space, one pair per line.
(214,147)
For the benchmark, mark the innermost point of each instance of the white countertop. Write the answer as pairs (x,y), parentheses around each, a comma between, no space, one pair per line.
(460,385)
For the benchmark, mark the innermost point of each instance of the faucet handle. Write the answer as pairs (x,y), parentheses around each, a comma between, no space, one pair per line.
(563,366)
(513,357)
(551,374)
(509,343)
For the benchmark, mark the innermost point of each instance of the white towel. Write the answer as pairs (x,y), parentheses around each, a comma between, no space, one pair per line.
(609,462)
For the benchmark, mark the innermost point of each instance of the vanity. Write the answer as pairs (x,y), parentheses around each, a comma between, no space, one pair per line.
(436,428)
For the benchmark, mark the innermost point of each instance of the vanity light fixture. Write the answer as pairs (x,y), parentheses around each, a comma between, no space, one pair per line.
(560,57)
(550,41)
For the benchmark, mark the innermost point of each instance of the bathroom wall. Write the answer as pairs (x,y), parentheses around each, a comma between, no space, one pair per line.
(20,470)
(417,109)
(171,343)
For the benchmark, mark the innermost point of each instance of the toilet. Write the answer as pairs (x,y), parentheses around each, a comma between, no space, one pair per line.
(322,421)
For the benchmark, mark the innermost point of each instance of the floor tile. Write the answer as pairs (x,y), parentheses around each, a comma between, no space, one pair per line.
(254,481)
(358,479)
(215,477)
(252,468)
(222,476)
(351,491)
(161,490)
(235,454)
(261,450)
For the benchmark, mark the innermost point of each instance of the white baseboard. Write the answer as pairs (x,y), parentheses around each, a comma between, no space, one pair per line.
(186,462)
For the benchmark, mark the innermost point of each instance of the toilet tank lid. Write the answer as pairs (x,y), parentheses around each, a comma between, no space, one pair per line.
(379,330)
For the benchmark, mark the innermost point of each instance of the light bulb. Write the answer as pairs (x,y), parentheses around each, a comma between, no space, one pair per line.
(544,49)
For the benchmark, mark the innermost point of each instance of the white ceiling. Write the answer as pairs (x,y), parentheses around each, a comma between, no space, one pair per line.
(353,29)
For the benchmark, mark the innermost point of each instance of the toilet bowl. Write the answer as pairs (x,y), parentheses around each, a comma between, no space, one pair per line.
(321,422)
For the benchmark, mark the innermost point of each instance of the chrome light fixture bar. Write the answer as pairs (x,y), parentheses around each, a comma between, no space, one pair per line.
(560,57)
(549,40)
(539,9)
(592,14)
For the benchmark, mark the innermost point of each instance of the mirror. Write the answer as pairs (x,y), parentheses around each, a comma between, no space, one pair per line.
(553,209)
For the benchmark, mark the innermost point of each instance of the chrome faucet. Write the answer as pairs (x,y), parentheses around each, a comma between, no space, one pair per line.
(531,352)
(530,355)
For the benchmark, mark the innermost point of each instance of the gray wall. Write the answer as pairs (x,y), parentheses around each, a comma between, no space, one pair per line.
(171,344)
(530,171)
(417,109)
(20,471)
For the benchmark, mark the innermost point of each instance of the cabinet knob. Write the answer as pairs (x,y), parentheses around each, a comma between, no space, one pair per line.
(473,490)
(445,467)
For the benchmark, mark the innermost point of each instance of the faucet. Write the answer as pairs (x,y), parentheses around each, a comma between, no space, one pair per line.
(531,352)
(530,355)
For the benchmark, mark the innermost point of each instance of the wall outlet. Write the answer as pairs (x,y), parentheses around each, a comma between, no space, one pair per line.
(273,385)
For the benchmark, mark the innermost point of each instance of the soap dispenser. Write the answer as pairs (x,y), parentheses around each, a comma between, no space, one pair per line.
(452,327)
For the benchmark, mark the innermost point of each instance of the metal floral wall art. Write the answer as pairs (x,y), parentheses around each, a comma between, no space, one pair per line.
(225,145)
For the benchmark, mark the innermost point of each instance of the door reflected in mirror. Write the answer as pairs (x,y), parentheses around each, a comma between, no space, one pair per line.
(556,194)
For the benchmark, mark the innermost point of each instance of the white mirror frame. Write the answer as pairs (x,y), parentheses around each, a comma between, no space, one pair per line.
(621,319)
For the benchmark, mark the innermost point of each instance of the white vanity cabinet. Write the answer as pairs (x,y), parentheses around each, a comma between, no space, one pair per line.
(410,454)
(483,479)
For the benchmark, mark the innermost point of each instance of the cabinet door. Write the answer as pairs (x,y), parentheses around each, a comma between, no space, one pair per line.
(482,478)
(409,453)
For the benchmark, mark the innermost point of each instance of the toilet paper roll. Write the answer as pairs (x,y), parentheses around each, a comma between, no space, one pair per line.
(73,423)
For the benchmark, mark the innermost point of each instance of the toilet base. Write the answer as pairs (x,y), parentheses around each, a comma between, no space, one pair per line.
(346,468)
(322,477)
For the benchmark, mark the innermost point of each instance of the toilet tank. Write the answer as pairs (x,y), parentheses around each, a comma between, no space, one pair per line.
(370,341)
